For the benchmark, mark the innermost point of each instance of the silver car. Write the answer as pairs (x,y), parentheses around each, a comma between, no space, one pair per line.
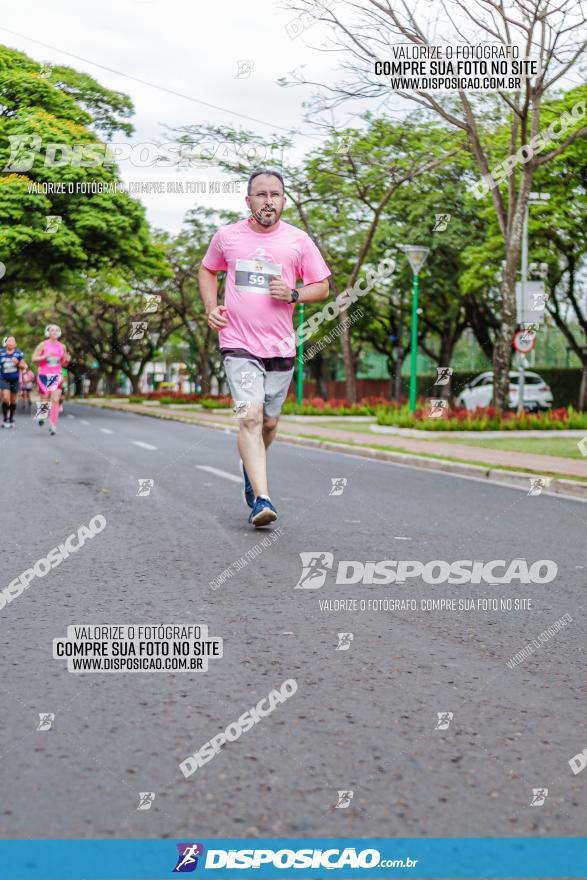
(479,392)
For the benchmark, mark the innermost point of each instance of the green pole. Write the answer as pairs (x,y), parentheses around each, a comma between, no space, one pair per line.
(414,346)
(300,395)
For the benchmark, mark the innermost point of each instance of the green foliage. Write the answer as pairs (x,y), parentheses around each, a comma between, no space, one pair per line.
(95,230)
(482,420)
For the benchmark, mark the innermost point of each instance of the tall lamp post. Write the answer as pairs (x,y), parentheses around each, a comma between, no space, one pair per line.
(417,257)
(300,383)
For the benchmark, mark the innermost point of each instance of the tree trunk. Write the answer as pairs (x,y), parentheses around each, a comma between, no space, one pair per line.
(94,382)
(583,388)
(135,381)
(320,375)
(502,350)
(111,382)
(347,356)
(205,373)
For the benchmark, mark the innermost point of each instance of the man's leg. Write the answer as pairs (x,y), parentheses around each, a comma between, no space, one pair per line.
(269,430)
(251,446)
(5,403)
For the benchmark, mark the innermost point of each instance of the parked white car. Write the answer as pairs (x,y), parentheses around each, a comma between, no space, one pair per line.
(479,392)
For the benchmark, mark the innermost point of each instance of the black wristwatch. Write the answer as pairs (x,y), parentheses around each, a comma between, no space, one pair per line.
(295,295)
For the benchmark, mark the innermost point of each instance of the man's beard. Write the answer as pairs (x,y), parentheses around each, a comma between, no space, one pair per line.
(264,219)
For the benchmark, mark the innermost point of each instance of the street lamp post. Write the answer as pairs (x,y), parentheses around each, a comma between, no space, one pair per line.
(300,387)
(300,382)
(417,257)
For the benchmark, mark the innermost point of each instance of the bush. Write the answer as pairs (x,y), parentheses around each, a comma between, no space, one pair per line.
(219,402)
(482,419)
(135,399)
(317,406)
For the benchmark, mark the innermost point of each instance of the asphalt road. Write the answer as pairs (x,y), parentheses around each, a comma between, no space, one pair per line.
(362,720)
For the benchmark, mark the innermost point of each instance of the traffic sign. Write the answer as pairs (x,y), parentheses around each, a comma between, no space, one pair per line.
(524,341)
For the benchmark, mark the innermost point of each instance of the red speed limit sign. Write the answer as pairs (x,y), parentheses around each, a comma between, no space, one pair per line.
(524,341)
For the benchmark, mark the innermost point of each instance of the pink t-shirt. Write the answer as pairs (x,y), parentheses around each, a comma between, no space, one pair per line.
(52,362)
(256,322)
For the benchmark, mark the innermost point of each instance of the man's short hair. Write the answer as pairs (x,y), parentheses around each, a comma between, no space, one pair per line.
(268,171)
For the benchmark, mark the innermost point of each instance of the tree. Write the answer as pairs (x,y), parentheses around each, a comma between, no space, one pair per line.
(48,138)
(552,33)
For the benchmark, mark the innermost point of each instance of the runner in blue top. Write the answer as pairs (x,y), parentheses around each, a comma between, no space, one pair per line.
(11,363)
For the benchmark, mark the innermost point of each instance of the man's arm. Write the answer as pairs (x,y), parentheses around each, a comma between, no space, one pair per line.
(209,293)
(307,294)
(313,292)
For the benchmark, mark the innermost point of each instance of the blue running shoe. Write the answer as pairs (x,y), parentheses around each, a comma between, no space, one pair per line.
(248,493)
(263,512)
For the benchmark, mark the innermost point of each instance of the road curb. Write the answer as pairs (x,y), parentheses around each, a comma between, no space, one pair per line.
(513,479)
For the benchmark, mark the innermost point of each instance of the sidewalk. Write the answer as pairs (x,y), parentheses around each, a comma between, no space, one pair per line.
(322,434)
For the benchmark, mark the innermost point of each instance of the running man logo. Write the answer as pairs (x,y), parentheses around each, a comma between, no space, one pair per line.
(344,641)
(152,302)
(50,381)
(344,800)
(441,222)
(46,720)
(538,301)
(244,69)
(187,861)
(247,379)
(52,222)
(344,144)
(443,375)
(537,484)
(444,719)
(436,408)
(338,484)
(539,795)
(315,565)
(146,799)
(241,408)
(145,487)
(43,408)
(139,328)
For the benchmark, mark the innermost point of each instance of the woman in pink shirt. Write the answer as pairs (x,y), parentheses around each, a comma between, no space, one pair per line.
(51,356)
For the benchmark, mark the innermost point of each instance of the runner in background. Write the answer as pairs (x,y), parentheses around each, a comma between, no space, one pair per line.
(11,363)
(51,355)
(27,381)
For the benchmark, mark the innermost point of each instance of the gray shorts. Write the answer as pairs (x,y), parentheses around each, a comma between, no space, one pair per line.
(250,382)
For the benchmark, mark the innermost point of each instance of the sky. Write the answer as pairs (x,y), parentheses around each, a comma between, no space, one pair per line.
(187,48)
(174,57)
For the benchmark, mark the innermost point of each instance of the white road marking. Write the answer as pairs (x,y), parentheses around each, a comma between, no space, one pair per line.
(219,473)
(83,422)
(70,416)
(401,538)
(106,431)
(143,445)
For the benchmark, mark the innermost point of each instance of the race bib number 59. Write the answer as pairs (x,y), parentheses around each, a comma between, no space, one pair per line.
(253,276)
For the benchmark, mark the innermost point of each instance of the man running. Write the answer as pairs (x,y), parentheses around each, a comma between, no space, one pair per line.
(11,363)
(51,355)
(263,257)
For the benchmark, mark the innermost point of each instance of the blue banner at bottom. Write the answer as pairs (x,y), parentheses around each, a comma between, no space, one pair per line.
(302,858)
